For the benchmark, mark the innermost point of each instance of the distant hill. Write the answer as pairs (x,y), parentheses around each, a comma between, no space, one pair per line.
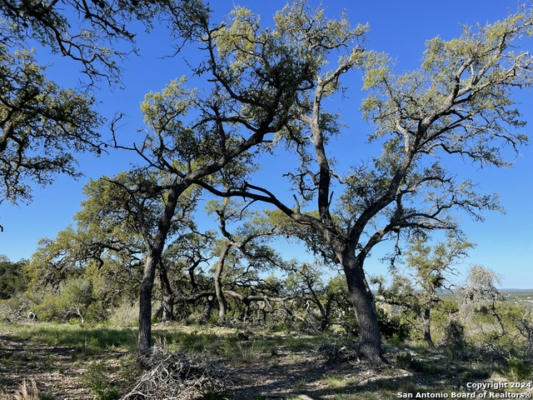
(516,291)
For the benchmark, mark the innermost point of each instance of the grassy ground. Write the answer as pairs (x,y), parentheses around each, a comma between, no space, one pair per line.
(73,362)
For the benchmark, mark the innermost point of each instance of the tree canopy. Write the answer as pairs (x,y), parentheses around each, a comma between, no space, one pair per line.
(42,125)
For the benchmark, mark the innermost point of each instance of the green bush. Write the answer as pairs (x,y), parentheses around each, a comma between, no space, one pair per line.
(96,311)
(284,326)
(392,326)
(125,315)
(76,300)
(518,369)
(49,309)
(12,280)
(454,340)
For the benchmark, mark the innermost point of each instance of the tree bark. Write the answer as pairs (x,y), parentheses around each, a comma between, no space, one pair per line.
(324,323)
(427,327)
(152,260)
(324,311)
(365,310)
(144,341)
(168,298)
(218,285)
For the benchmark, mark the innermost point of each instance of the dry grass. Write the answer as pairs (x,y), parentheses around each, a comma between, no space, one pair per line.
(28,391)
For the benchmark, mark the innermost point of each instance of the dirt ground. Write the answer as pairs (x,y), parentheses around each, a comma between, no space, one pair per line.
(58,372)
(51,367)
(288,374)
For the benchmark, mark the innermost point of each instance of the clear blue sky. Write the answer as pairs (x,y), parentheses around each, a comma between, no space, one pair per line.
(504,241)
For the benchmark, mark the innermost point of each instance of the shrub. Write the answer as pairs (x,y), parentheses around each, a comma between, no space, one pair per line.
(15,308)
(518,369)
(12,280)
(406,361)
(392,326)
(454,340)
(125,315)
(96,311)
(49,308)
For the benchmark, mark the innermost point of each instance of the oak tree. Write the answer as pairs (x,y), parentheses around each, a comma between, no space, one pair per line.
(243,243)
(192,135)
(458,104)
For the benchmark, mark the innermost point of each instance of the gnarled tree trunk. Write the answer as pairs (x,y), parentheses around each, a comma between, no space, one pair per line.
(364,306)
(218,285)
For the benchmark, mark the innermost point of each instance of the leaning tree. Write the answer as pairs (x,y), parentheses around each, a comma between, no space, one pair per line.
(458,103)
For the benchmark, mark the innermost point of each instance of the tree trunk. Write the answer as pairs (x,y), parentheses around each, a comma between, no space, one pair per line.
(193,279)
(168,309)
(151,261)
(207,310)
(498,318)
(365,310)
(218,285)
(144,340)
(166,290)
(427,327)
(324,317)
(79,314)
(246,311)
(324,323)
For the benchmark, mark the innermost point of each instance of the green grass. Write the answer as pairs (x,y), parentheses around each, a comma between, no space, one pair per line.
(88,340)
(226,343)
(413,367)
(100,339)
(234,345)
(337,381)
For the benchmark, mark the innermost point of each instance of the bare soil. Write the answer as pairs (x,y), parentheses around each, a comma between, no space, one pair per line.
(286,374)
(53,369)
(58,372)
